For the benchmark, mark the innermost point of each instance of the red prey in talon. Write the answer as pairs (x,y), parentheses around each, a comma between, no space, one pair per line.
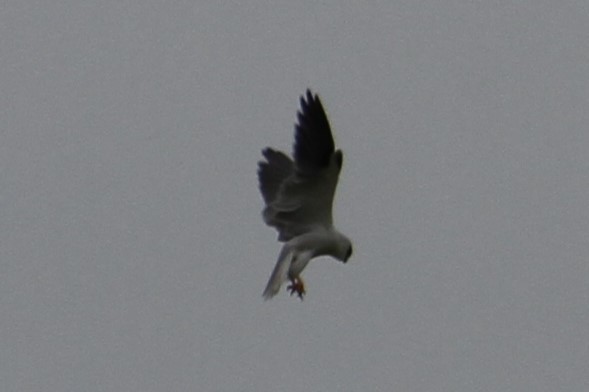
(297,286)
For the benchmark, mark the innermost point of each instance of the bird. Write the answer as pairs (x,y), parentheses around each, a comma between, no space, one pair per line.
(298,194)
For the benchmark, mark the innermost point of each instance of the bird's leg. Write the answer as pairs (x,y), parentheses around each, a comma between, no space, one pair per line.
(297,286)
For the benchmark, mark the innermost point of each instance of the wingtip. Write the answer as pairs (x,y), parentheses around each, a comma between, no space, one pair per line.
(308,97)
(308,100)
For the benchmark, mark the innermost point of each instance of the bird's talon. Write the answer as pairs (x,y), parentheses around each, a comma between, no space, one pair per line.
(298,287)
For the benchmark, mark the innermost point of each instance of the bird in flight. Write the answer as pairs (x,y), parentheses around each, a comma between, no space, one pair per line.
(298,194)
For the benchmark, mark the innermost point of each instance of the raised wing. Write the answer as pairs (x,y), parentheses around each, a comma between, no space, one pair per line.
(273,173)
(299,194)
(314,144)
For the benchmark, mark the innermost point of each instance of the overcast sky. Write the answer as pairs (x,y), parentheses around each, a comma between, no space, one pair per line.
(132,252)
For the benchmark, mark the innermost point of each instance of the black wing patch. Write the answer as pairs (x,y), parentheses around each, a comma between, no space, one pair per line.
(313,139)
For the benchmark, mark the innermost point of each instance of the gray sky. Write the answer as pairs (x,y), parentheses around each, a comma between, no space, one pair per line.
(132,252)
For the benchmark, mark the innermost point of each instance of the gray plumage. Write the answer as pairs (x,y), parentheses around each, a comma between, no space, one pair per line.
(299,196)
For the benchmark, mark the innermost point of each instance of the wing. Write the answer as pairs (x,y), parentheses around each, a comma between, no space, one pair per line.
(273,173)
(299,194)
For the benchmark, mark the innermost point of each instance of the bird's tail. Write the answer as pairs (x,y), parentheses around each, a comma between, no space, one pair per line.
(279,274)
